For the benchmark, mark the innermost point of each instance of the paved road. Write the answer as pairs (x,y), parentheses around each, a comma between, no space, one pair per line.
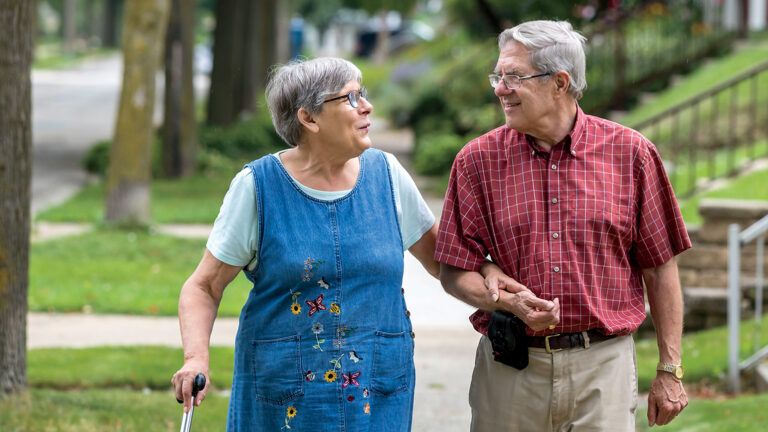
(74,108)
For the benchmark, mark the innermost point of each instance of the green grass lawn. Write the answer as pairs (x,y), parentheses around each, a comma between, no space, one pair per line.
(105,410)
(742,414)
(191,200)
(748,187)
(115,271)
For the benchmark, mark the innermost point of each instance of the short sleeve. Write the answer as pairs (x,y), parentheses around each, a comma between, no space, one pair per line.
(462,228)
(414,214)
(660,231)
(234,237)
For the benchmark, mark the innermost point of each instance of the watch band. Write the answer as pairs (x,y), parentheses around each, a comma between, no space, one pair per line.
(674,369)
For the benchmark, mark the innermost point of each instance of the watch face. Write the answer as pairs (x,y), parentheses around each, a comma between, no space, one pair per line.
(679,372)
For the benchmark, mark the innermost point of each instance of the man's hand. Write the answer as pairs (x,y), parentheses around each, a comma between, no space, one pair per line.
(536,313)
(666,399)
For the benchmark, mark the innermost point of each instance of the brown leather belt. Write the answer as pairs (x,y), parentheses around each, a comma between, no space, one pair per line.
(557,342)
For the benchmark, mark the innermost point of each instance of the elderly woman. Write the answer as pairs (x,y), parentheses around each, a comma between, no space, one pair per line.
(324,341)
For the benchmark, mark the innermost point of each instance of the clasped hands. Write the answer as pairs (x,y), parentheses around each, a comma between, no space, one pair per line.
(511,296)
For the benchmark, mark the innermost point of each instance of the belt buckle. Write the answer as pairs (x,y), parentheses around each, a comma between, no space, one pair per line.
(546,344)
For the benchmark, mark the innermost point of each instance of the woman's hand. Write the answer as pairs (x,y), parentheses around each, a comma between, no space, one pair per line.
(496,279)
(182,382)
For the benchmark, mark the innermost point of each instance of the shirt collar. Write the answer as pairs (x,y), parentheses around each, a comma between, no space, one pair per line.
(571,144)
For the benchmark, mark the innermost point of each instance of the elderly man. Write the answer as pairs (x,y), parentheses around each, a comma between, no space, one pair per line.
(579,211)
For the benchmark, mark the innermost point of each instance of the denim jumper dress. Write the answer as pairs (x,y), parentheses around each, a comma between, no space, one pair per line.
(324,342)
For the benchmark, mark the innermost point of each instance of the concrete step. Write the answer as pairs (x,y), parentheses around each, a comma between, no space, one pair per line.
(712,257)
(761,377)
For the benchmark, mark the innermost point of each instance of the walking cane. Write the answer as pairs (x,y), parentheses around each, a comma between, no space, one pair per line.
(186,418)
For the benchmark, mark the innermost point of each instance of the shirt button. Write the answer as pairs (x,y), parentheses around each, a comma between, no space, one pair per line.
(555,235)
(407,313)
(413,335)
(556,269)
(554,167)
(554,200)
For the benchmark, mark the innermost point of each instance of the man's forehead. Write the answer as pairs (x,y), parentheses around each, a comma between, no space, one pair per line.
(513,59)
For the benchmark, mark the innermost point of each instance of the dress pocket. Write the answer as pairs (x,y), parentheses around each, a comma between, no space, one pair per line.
(276,368)
(392,362)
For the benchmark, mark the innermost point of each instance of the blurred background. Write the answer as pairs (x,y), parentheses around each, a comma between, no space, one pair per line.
(144,110)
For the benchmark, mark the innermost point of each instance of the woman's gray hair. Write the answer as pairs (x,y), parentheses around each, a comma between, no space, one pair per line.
(554,46)
(305,84)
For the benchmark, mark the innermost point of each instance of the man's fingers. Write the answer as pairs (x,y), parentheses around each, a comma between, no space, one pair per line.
(651,411)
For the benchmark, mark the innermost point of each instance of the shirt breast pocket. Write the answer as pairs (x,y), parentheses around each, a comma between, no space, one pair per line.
(602,218)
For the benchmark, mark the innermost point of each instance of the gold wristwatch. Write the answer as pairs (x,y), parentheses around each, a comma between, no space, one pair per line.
(674,369)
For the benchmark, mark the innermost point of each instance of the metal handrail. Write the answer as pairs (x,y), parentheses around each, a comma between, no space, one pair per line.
(736,241)
(703,95)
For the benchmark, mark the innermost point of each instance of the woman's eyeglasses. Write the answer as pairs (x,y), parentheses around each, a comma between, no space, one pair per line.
(353,96)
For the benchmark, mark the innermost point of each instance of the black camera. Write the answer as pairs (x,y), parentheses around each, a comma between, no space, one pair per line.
(507,335)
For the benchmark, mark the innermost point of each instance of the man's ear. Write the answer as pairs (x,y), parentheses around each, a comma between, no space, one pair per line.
(307,120)
(562,82)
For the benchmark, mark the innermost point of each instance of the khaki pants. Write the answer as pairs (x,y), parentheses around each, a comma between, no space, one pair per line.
(571,390)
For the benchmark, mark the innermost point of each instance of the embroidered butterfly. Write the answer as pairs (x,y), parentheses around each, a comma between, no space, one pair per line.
(316,305)
(323,284)
(350,378)
(309,376)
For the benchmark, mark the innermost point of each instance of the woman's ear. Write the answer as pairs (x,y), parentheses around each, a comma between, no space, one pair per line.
(307,120)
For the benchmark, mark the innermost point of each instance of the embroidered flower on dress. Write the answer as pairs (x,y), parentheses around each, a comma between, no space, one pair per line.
(290,412)
(366,393)
(335,308)
(330,375)
(351,398)
(367,408)
(317,328)
(354,357)
(295,308)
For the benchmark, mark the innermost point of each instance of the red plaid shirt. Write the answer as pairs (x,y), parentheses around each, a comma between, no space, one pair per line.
(577,223)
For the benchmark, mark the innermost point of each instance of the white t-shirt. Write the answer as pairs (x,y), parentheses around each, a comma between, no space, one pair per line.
(234,239)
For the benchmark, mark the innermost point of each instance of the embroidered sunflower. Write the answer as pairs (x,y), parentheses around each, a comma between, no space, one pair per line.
(330,376)
(295,308)
(290,412)
(335,308)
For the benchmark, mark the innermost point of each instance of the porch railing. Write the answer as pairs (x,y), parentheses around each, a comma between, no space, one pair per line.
(714,133)
(737,241)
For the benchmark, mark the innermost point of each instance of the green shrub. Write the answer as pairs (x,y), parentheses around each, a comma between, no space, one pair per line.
(252,138)
(435,154)
(96,160)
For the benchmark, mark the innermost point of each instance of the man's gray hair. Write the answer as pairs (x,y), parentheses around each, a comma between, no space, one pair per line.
(553,46)
(305,84)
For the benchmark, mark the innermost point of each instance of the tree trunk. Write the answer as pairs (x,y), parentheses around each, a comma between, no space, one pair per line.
(17,21)
(130,157)
(69,24)
(180,126)
(227,69)
(381,50)
(111,23)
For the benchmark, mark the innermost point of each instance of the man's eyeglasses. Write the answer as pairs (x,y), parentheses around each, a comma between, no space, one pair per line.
(353,96)
(512,81)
